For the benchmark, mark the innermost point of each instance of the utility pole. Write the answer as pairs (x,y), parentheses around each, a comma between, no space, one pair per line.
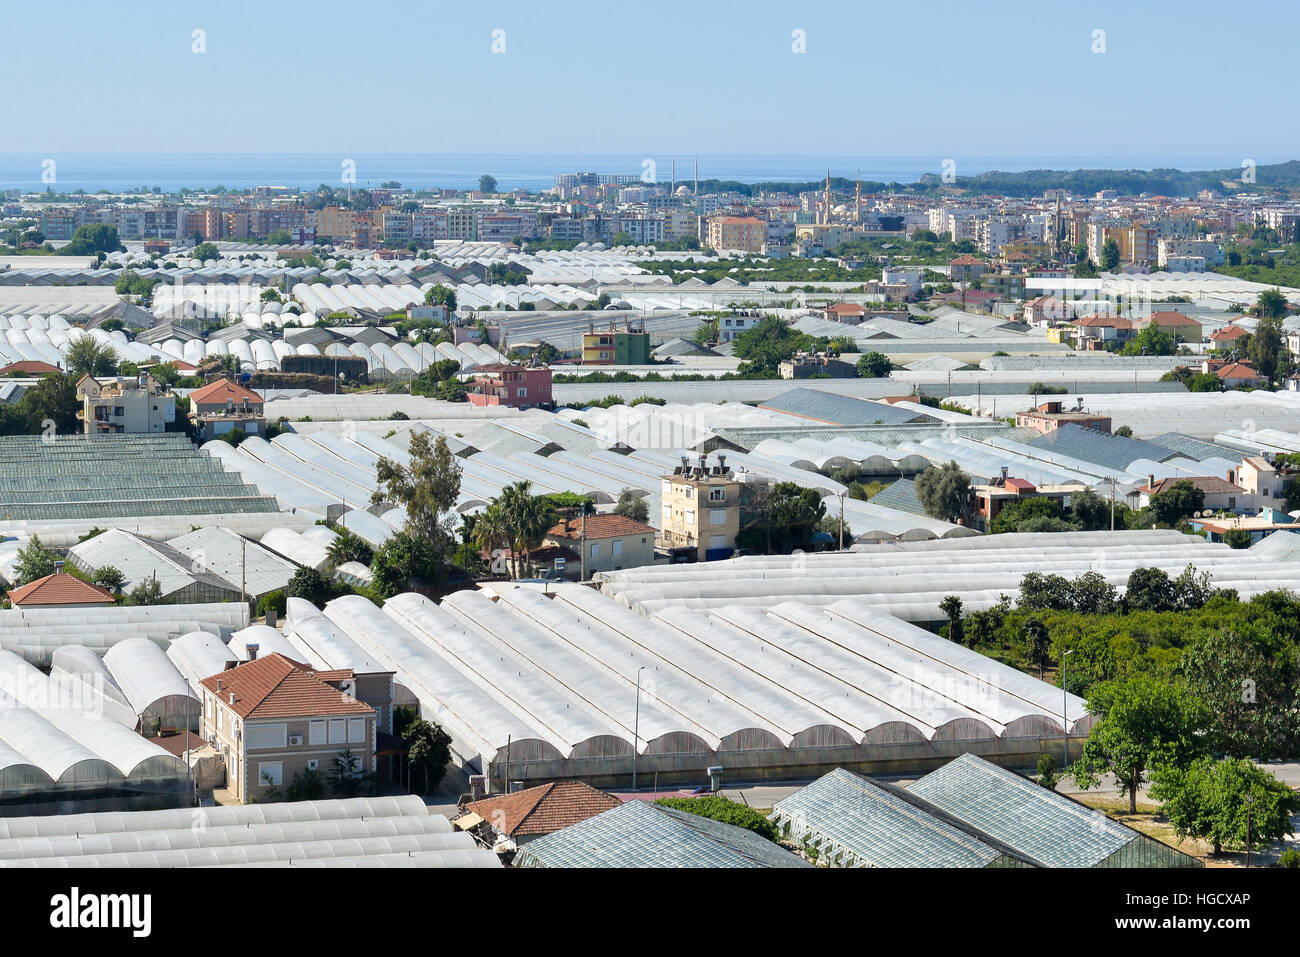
(842,494)
(1065,707)
(1112,503)
(636,725)
(243,574)
(582,546)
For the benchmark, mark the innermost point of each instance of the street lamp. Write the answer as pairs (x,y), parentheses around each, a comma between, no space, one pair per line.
(636,725)
(1065,707)
(842,494)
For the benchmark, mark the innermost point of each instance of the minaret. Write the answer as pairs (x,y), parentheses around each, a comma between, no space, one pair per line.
(827,213)
(857,213)
(697,177)
(674,188)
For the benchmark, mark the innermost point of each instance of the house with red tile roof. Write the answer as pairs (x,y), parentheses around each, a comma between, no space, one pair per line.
(536,812)
(1175,324)
(29,367)
(1235,375)
(966,268)
(223,405)
(1227,337)
(61,590)
(274,719)
(1102,329)
(607,542)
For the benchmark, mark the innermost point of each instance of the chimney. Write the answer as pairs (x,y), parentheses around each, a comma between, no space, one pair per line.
(58,568)
(722,463)
(218,682)
(1151,480)
(1232,477)
(252,647)
(232,697)
(1004,474)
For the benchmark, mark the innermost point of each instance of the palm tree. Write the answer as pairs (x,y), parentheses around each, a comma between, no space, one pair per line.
(526,518)
(490,530)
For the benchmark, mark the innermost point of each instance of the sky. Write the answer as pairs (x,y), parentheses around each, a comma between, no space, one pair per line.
(1006,78)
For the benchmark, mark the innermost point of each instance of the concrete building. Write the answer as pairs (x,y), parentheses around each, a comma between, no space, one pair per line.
(742,233)
(273,719)
(127,404)
(701,510)
(604,543)
(1050,416)
(513,385)
(621,347)
(222,405)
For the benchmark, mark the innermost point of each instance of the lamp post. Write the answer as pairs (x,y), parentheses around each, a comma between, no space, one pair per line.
(636,725)
(1065,707)
(842,494)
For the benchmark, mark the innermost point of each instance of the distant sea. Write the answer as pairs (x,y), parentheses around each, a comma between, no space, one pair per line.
(172,172)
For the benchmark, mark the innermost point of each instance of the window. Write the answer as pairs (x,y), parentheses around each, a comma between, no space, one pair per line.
(266,736)
(717,495)
(690,492)
(316,732)
(595,550)
(338,731)
(717,541)
(270,773)
(690,515)
(356,730)
(717,517)
(617,548)
(523,393)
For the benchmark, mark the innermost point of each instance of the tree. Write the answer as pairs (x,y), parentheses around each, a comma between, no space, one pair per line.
(1149,589)
(874,365)
(53,400)
(1265,347)
(943,490)
(717,808)
(93,238)
(1091,594)
(1017,516)
(1171,505)
(87,356)
(428,487)
(1036,642)
(622,238)
(34,561)
(487,183)
(108,576)
(1039,592)
(1245,680)
(1124,431)
(440,295)
(205,251)
(792,516)
(428,750)
(310,584)
(1047,775)
(1109,256)
(349,547)
(1217,801)
(1090,510)
(306,786)
(525,518)
(346,777)
(951,608)
(631,506)
(1271,304)
(1237,538)
(1141,721)
(148,592)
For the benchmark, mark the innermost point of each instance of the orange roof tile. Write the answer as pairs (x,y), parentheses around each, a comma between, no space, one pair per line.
(60,589)
(278,687)
(29,367)
(543,809)
(218,392)
(600,526)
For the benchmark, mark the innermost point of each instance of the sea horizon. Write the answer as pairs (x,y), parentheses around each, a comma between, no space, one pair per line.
(172,172)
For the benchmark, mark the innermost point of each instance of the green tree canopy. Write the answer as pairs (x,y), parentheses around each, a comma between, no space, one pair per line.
(874,365)
(1218,801)
(943,490)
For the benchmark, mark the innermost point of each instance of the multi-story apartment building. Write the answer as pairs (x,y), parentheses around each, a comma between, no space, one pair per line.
(743,233)
(701,510)
(273,720)
(124,405)
(462,223)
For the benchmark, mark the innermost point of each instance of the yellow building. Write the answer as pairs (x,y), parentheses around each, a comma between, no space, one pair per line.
(701,510)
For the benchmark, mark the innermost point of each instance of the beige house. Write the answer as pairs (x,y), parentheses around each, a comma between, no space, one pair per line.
(701,510)
(604,543)
(119,404)
(274,718)
(222,405)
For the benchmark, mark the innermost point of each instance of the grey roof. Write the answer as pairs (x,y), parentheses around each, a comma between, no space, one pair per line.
(1194,448)
(1036,821)
(900,495)
(1102,448)
(839,409)
(641,834)
(855,822)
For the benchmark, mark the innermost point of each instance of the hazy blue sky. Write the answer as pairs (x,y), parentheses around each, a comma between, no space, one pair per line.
(989,78)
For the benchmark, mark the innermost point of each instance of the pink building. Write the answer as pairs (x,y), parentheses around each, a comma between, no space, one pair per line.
(517,386)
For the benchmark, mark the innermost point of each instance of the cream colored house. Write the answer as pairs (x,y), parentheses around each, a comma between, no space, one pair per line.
(116,404)
(273,718)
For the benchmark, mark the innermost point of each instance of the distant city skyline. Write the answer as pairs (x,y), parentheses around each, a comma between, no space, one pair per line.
(942,80)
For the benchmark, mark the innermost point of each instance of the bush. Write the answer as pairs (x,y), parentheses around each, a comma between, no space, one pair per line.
(275,601)
(728,812)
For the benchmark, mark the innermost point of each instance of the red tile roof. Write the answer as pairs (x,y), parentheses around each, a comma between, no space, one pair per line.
(600,526)
(1227,332)
(277,687)
(543,809)
(966,260)
(1237,370)
(1171,319)
(1209,484)
(218,392)
(60,589)
(29,367)
(1115,322)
